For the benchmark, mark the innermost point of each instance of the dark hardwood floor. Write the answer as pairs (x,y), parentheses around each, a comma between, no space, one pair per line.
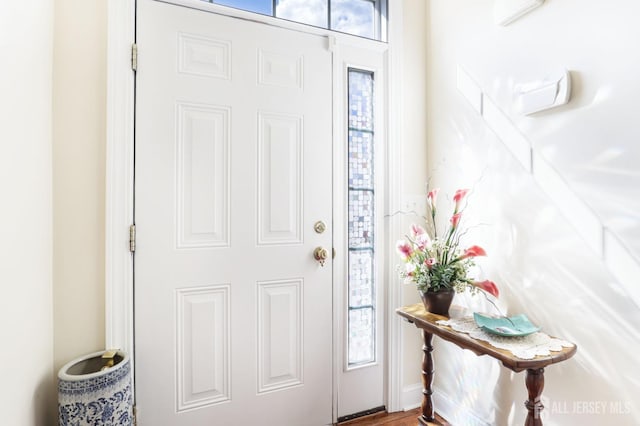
(403,418)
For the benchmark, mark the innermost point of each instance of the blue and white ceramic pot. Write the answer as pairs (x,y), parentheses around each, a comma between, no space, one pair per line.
(95,391)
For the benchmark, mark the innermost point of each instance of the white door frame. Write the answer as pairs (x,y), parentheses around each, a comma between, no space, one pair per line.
(119,189)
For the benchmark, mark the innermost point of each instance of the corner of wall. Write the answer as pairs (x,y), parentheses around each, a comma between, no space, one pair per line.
(26,213)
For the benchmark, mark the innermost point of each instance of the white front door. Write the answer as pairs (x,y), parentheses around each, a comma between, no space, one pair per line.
(233,169)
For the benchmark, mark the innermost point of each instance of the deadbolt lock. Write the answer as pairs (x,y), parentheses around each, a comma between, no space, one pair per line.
(319,227)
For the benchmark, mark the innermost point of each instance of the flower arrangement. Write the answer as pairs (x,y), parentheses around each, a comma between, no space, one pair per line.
(437,262)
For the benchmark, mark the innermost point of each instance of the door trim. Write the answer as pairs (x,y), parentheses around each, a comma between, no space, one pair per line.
(395,132)
(119,192)
(119,176)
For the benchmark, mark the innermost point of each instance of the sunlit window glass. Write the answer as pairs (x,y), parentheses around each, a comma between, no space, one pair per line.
(264,7)
(356,17)
(311,12)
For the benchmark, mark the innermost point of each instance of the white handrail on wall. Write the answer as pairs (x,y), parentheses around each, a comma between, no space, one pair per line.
(624,266)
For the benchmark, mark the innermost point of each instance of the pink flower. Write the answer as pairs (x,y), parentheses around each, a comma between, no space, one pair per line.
(455,219)
(404,248)
(488,286)
(431,196)
(460,194)
(430,262)
(410,269)
(473,251)
(417,230)
(422,241)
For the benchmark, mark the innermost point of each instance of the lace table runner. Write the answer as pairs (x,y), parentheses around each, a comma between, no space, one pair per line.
(525,347)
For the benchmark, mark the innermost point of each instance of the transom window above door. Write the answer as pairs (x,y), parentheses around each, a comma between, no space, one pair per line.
(364,18)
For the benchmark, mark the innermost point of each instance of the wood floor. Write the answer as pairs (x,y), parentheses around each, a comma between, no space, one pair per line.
(403,418)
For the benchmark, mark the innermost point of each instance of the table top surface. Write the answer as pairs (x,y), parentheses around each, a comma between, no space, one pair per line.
(427,321)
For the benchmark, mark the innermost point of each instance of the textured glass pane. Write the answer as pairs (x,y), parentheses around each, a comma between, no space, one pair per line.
(360,100)
(361,328)
(361,342)
(360,159)
(354,17)
(360,219)
(360,278)
(312,12)
(264,7)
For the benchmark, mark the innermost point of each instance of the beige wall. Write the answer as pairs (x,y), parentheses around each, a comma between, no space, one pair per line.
(414,167)
(26,331)
(79,111)
(53,130)
(414,95)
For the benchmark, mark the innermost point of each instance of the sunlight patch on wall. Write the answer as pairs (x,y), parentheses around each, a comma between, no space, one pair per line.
(618,258)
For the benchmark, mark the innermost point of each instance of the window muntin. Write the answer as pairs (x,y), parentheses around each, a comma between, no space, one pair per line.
(361,220)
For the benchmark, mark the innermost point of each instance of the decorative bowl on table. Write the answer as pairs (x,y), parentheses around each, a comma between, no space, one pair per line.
(518,325)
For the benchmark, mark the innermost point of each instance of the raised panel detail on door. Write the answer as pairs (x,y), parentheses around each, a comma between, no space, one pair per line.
(280,70)
(279,334)
(203,56)
(202,336)
(280,175)
(223,230)
(202,176)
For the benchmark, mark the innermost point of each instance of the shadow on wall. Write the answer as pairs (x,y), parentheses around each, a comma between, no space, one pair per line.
(45,402)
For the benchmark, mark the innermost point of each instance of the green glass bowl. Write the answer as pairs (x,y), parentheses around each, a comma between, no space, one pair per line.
(518,325)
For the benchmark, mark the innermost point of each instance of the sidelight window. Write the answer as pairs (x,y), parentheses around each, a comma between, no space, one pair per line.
(361,220)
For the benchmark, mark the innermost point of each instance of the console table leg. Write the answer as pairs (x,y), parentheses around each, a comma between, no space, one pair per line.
(535,383)
(427,379)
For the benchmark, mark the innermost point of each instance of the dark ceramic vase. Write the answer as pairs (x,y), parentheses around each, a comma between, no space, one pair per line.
(438,302)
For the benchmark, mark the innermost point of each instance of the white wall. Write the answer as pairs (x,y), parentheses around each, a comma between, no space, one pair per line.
(28,394)
(542,264)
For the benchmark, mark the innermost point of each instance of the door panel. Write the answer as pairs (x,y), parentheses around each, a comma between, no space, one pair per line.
(233,168)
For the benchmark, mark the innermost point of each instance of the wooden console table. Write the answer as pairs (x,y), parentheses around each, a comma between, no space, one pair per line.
(534,381)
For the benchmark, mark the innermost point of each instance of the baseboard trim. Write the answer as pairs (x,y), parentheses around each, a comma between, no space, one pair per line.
(411,396)
(444,405)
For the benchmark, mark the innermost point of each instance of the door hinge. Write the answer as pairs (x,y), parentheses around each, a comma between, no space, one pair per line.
(132,238)
(134,57)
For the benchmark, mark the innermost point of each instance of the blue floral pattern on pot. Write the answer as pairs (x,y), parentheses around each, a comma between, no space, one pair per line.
(100,399)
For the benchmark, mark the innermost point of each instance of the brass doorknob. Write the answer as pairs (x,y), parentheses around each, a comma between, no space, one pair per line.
(320,254)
